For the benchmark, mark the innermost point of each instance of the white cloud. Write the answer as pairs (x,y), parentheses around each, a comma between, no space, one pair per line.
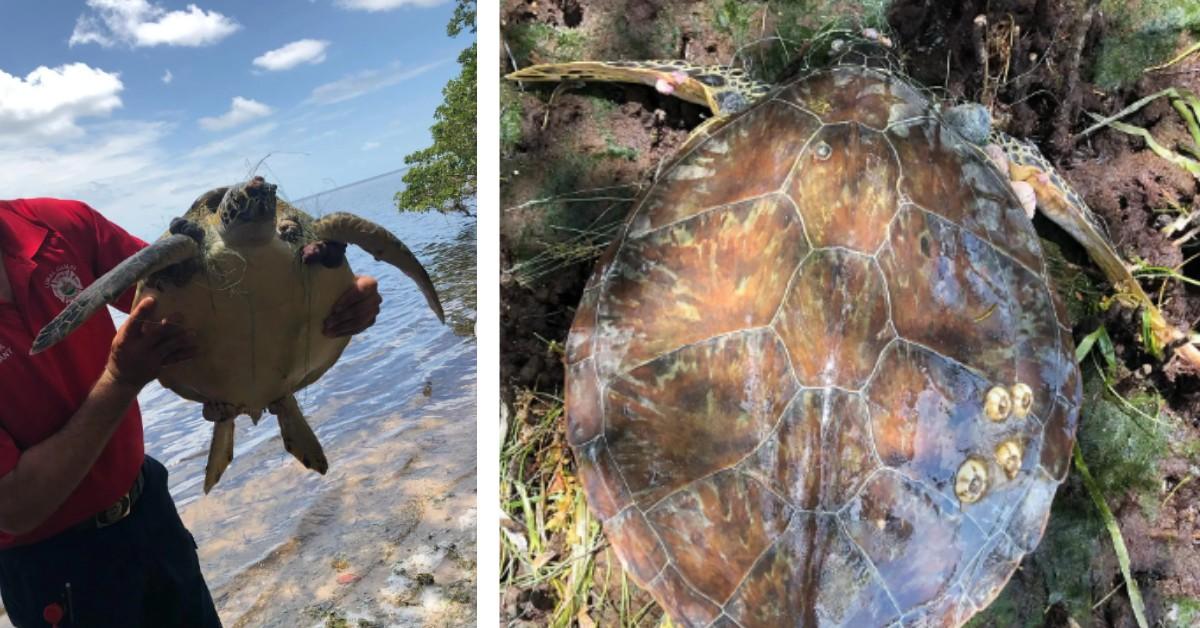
(139,23)
(91,167)
(61,135)
(166,78)
(386,5)
(289,56)
(242,110)
(48,101)
(124,170)
(371,145)
(365,82)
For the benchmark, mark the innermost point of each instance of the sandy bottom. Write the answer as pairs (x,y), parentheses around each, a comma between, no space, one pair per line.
(386,538)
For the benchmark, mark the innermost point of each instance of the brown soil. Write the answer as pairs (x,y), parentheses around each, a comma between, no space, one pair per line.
(1037,92)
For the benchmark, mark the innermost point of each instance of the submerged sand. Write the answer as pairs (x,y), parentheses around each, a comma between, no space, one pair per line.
(385,538)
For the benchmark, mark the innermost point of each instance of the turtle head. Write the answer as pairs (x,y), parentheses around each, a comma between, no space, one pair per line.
(246,212)
(971,120)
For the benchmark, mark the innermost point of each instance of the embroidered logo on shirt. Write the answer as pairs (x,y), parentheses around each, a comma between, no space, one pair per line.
(64,283)
(5,353)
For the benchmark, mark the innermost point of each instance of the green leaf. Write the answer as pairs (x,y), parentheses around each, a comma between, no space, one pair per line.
(442,176)
(464,17)
(1100,339)
(1148,336)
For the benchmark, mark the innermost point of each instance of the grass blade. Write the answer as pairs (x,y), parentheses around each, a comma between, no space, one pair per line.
(1148,340)
(1190,165)
(1179,57)
(1110,522)
(1100,340)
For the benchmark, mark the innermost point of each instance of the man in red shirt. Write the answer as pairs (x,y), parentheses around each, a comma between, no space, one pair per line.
(89,535)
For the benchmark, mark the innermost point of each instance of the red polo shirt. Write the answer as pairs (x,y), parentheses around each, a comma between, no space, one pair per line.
(51,249)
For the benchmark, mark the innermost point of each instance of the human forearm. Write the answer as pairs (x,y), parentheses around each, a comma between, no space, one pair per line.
(48,472)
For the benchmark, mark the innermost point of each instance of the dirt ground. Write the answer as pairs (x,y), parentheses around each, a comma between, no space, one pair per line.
(574,159)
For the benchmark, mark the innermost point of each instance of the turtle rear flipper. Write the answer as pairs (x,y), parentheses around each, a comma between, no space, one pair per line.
(298,438)
(722,89)
(220,454)
(379,242)
(108,288)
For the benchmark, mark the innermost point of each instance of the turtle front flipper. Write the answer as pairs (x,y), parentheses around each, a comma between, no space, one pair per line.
(1061,204)
(108,288)
(722,89)
(298,438)
(379,242)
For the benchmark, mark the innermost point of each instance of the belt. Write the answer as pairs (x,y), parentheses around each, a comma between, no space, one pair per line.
(118,510)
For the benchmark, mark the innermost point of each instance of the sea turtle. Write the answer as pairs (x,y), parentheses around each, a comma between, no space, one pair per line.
(820,377)
(255,278)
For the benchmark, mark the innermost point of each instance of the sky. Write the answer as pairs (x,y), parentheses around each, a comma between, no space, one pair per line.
(136,107)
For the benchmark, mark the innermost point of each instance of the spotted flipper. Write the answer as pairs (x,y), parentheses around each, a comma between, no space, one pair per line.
(722,89)
(379,242)
(1066,208)
(298,438)
(163,253)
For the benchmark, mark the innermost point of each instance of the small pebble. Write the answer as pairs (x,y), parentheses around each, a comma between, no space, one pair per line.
(347,578)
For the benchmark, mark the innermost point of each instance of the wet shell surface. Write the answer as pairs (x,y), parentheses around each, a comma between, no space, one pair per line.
(821,378)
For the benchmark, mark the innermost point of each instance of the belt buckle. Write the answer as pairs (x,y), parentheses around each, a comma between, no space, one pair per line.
(114,513)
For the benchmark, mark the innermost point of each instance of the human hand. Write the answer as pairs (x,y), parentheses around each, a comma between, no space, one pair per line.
(355,310)
(145,344)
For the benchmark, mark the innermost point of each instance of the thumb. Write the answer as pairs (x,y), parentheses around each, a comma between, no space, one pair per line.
(142,314)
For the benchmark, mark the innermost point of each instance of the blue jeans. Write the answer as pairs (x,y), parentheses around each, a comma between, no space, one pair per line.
(140,571)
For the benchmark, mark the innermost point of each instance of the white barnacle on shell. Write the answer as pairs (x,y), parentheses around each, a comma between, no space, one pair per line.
(997,405)
(822,151)
(1022,397)
(971,481)
(1008,456)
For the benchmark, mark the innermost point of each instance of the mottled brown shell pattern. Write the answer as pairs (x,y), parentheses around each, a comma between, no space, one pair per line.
(821,378)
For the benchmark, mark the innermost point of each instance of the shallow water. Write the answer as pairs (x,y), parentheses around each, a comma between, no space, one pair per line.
(396,417)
